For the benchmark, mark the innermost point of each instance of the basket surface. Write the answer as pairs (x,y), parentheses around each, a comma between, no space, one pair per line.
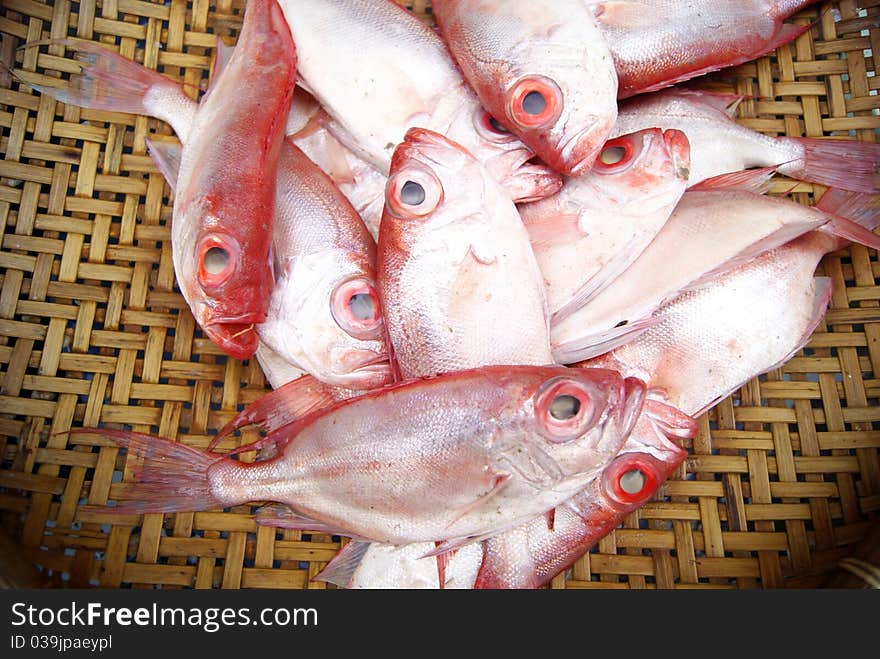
(782,480)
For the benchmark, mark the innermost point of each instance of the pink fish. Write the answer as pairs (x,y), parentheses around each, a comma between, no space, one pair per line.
(449,459)
(708,233)
(542,68)
(324,258)
(386,72)
(457,277)
(656,43)
(719,145)
(587,234)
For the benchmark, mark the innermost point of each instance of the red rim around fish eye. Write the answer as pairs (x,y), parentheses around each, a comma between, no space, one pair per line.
(413,192)
(354,305)
(535,101)
(632,478)
(564,409)
(618,154)
(218,258)
(490,128)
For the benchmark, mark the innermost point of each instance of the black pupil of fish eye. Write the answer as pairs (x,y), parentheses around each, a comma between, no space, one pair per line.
(496,126)
(362,306)
(215,260)
(412,193)
(534,103)
(612,155)
(564,407)
(632,481)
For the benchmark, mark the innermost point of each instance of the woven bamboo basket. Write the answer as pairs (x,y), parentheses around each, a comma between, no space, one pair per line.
(782,481)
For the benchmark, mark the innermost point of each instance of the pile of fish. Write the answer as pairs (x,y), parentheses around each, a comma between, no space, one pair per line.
(493,273)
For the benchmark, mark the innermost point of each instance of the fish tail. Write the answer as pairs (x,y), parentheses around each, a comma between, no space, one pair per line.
(844,164)
(167,476)
(109,81)
(854,216)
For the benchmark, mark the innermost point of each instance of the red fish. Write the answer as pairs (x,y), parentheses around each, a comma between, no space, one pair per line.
(656,43)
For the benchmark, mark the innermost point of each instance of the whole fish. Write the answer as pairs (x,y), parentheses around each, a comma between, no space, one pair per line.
(324,258)
(542,68)
(221,230)
(457,277)
(708,232)
(447,459)
(587,234)
(388,72)
(656,43)
(720,145)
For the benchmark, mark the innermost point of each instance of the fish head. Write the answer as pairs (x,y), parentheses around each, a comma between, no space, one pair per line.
(325,317)
(650,455)
(433,182)
(510,162)
(646,170)
(227,284)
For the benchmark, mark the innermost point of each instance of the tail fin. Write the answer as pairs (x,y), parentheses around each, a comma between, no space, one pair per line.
(111,82)
(855,215)
(844,164)
(169,477)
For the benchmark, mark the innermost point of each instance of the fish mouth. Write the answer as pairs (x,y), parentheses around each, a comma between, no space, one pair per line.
(371,376)
(578,153)
(237,338)
(523,177)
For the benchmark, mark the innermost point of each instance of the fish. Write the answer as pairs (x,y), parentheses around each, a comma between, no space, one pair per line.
(720,145)
(537,552)
(404,77)
(708,233)
(587,234)
(541,68)
(458,280)
(221,231)
(657,43)
(448,459)
(323,254)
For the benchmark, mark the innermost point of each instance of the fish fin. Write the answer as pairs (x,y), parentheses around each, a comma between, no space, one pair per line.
(821,298)
(452,545)
(280,516)
(599,281)
(284,405)
(442,563)
(755,180)
(596,344)
(671,421)
(340,570)
(501,481)
(168,476)
(222,55)
(848,208)
(845,164)
(108,81)
(166,156)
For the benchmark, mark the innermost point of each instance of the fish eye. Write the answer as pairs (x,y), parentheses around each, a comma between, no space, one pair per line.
(632,478)
(565,409)
(535,102)
(611,155)
(412,192)
(217,259)
(354,305)
(632,481)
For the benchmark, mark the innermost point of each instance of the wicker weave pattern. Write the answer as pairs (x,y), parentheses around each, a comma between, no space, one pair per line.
(784,476)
